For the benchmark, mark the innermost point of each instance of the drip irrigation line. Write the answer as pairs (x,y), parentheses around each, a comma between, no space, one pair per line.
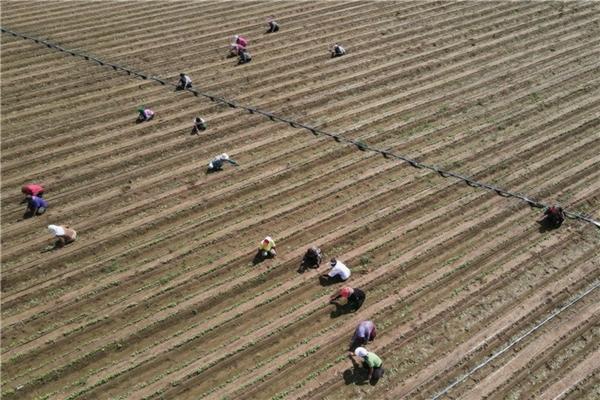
(515,341)
(315,131)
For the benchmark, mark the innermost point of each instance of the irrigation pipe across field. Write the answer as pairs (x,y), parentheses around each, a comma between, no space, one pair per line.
(338,138)
(515,341)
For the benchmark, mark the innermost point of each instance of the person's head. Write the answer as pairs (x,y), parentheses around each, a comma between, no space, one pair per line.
(224,156)
(141,109)
(361,352)
(182,75)
(332,262)
(198,119)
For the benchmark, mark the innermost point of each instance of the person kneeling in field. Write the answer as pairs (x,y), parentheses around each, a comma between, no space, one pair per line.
(371,362)
(312,259)
(144,114)
(217,163)
(185,82)
(338,273)
(199,126)
(337,51)
(63,234)
(35,206)
(554,216)
(273,26)
(266,248)
(365,332)
(238,44)
(244,57)
(355,297)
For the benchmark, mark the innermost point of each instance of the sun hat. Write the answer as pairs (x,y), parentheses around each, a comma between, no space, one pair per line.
(361,352)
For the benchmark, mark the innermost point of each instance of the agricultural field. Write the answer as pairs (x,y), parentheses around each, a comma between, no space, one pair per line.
(159,296)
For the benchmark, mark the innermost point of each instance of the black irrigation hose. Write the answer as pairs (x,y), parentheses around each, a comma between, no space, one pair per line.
(338,138)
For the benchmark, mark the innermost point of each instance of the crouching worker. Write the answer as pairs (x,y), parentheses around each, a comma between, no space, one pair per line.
(365,332)
(553,217)
(338,273)
(312,259)
(63,234)
(185,82)
(272,25)
(354,297)
(266,248)
(244,57)
(144,114)
(238,44)
(371,362)
(199,126)
(217,163)
(35,206)
(337,50)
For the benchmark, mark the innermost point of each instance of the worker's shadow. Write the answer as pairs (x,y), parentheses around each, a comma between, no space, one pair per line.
(325,280)
(357,375)
(546,225)
(306,265)
(340,309)
(258,258)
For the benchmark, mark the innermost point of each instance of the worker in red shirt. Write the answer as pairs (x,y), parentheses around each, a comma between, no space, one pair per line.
(355,297)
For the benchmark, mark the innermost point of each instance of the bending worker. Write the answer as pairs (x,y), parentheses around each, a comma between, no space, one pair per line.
(35,206)
(371,362)
(338,272)
(267,247)
(185,82)
(217,163)
(63,234)
(365,332)
(554,216)
(355,297)
(144,114)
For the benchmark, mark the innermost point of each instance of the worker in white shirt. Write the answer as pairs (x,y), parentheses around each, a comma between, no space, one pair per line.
(338,272)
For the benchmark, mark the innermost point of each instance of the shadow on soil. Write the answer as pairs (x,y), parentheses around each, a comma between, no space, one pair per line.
(258,258)
(357,375)
(341,309)
(325,280)
(545,226)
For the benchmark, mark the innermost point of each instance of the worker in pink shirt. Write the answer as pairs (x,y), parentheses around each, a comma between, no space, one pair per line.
(33,189)
(144,114)
(238,44)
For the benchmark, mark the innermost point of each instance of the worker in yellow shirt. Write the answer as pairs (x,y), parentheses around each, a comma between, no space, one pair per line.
(267,247)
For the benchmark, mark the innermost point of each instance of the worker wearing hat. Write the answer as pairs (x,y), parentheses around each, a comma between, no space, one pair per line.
(370,361)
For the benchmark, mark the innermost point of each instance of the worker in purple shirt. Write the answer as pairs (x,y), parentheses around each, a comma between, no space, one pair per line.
(365,332)
(35,206)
